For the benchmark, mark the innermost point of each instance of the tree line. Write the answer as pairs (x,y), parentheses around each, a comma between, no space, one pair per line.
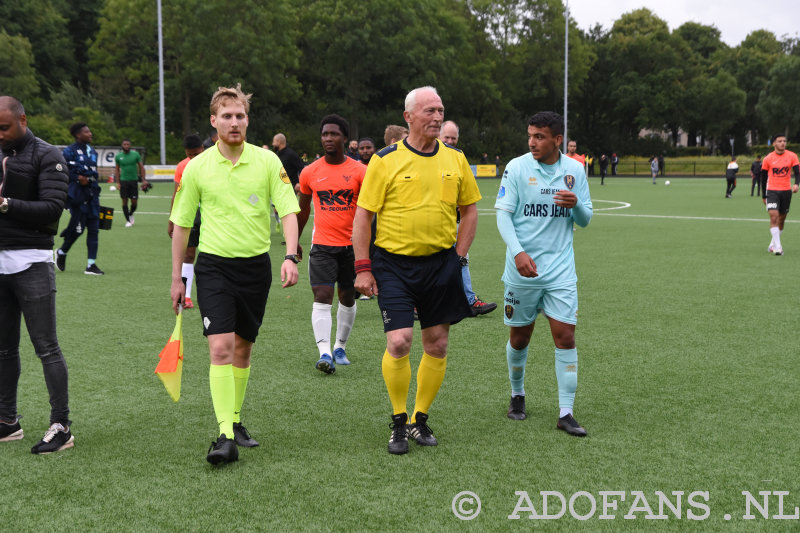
(494,63)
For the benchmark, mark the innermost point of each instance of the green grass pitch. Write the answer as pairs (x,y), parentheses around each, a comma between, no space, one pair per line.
(688,382)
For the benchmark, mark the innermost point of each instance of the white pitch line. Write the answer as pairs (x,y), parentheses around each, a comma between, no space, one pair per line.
(677,217)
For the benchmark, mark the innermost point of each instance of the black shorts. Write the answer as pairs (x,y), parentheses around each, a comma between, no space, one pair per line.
(232,293)
(431,283)
(779,200)
(194,233)
(129,189)
(332,264)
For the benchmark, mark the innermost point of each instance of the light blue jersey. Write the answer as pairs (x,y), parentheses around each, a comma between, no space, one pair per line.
(541,228)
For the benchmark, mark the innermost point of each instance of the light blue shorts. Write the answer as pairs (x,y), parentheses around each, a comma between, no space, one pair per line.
(523,304)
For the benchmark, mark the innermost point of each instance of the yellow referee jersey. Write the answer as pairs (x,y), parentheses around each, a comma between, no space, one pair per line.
(415,195)
(234,199)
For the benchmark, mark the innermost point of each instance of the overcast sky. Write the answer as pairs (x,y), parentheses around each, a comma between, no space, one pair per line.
(735,19)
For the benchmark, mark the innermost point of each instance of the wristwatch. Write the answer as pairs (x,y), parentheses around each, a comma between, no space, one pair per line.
(293,258)
(4,206)
(463,260)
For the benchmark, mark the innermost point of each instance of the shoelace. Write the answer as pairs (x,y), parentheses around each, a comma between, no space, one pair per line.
(51,432)
(398,431)
(244,432)
(423,429)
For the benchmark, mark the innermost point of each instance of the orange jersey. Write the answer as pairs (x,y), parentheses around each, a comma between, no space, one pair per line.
(334,190)
(779,170)
(179,169)
(578,157)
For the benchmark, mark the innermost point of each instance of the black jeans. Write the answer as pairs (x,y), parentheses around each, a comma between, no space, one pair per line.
(32,294)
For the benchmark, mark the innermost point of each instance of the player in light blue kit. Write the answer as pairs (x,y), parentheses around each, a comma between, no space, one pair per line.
(541,194)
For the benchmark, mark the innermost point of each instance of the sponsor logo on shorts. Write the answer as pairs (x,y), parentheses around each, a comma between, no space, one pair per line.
(571,368)
(569,181)
(206,322)
(386,318)
(772,205)
(509,299)
(509,309)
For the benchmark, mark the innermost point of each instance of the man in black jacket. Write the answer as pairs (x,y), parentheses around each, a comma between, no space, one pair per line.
(34,188)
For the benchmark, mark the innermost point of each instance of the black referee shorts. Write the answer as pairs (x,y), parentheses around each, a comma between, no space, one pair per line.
(431,283)
(232,293)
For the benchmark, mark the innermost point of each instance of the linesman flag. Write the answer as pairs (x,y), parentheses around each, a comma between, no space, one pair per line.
(170,366)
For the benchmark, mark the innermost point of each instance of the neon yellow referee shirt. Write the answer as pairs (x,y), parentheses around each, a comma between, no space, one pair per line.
(415,195)
(234,199)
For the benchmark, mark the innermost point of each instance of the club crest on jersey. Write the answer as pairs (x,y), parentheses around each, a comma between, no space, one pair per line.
(509,309)
(532,180)
(501,192)
(569,181)
(285,176)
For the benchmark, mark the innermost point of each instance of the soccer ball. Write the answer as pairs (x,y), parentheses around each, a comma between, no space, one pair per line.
(112,188)
(666,182)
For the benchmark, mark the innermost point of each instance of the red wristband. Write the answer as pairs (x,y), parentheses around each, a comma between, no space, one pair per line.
(363,265)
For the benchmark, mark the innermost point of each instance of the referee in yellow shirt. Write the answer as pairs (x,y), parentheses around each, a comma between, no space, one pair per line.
(234,182)
(414,187)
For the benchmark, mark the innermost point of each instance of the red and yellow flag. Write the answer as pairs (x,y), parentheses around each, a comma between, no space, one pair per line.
(171,364)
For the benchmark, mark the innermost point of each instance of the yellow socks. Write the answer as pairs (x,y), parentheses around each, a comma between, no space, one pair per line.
(429,379)
(223,393)
(240,377)
(397,375)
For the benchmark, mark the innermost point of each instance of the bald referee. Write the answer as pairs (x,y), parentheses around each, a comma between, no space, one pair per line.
(414,187)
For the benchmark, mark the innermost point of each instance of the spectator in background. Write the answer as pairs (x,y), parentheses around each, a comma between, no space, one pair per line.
(730,176)
(614,163)
(484,158)
(129,170)
(366,147)
(352,150)
(654,168)
(211,140)
(603,168)
(291,162)
(394,133)
(661,164)
(755,176)
(497,164)
(590,160)
(83,199)
(449,135)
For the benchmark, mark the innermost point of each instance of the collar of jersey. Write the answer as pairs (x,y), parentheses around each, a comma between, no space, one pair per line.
(243,159)
(423,154)
(559,172)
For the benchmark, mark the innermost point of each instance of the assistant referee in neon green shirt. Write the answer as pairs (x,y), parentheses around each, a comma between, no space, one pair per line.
(234,183)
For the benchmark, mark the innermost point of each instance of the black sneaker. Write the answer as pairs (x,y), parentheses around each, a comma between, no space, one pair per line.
(242,437)
(55,439)
(516,409)
(61,261)
(570,425)
(222,451)
(398,442)
(421,432)
(479,307)
(11,430)
(93,270)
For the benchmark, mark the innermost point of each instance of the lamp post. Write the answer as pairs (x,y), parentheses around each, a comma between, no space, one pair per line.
(161,86)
